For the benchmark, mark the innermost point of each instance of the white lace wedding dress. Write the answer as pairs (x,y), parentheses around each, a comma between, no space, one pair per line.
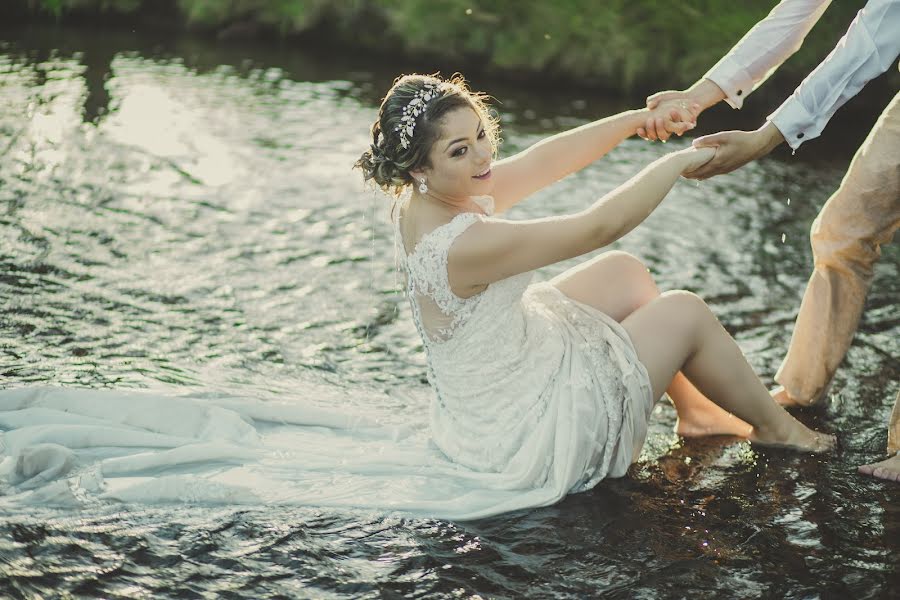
(534,396)
(539,390)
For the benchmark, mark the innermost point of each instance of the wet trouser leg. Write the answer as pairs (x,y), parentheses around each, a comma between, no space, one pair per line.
(846,241)
(893,444)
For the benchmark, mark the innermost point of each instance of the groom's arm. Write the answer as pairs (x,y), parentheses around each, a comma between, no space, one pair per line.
(870,47)
(749,63)
(764,48)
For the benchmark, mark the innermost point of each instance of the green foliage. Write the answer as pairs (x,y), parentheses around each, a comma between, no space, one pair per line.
(53,6)
(617,43)
(59,7)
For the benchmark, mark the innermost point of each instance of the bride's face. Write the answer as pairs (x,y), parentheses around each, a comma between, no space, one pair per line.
(459,156)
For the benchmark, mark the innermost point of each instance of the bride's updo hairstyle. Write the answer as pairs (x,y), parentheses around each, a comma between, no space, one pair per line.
(391,156)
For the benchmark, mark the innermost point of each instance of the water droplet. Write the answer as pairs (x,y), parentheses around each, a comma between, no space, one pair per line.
(789,201)
(468,11)
(782,238)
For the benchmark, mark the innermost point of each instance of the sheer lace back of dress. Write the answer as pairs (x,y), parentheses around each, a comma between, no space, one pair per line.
(437,311)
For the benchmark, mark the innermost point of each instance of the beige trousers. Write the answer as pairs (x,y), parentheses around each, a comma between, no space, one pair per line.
(846,241)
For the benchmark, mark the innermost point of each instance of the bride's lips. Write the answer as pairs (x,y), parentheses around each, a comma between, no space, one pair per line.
(483,177)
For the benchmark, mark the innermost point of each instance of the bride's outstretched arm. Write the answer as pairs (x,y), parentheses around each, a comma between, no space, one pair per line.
(498,248)
(625,207)
(553,158)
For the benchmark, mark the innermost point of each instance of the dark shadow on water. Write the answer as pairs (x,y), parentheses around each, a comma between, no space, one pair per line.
(98,69)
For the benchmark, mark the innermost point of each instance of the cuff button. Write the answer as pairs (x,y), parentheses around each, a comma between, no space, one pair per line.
(739,92)
(800,136)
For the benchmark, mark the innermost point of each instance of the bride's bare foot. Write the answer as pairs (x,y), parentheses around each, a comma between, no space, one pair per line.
(711,419)
(887,469)
(795,435)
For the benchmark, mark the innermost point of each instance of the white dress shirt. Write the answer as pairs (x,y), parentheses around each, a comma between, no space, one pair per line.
(869,47)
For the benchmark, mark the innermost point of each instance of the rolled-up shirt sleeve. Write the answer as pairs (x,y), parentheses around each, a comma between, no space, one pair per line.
(762,50)
(869,48)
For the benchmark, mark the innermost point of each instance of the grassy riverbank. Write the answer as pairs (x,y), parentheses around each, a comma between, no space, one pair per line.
(620,45)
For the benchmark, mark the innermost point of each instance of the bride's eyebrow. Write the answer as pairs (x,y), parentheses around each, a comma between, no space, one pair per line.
(462,139)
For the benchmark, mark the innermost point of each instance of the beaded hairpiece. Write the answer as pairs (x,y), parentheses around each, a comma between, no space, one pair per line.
(412,110)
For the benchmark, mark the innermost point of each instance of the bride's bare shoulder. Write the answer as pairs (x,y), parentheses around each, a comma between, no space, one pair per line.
(416,223)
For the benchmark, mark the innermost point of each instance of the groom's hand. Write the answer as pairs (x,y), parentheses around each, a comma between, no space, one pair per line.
(735,149)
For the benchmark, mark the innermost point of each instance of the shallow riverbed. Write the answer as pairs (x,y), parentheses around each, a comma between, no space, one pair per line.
(237,252)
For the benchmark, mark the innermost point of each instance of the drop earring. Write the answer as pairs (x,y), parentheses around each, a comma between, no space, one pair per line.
(422,187)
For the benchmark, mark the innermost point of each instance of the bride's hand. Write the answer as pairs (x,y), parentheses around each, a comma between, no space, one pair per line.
(666,119)
(694,158)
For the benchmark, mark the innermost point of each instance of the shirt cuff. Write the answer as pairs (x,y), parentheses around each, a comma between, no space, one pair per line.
(794,122)
(734,80)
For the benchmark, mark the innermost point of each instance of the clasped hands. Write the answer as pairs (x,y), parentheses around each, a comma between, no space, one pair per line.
(673,117)
(677,112)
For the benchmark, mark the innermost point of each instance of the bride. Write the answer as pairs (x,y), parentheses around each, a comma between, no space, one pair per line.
(540,389)
(550,384)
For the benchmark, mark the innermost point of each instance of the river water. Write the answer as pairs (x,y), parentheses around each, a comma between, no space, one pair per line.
(177,214)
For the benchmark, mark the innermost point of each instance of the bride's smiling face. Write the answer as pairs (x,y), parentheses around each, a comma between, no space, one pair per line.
(460,158)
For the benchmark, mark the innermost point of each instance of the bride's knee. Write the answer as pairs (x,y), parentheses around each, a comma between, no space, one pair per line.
(684,298)
(687,306)
(638,276)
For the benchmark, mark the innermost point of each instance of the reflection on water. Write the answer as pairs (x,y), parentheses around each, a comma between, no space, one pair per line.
(177,214)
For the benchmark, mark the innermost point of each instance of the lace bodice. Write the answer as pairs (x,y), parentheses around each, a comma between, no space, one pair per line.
(437,310)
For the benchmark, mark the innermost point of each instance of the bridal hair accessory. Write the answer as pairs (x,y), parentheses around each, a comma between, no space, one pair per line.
(412,110)
(423,187)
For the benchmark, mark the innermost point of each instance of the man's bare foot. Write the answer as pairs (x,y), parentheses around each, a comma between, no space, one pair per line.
(712,419)
(794,435)
(887,469)
(783,398)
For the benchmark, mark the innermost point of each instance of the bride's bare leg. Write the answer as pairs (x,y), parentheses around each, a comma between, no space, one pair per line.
(699,416)
(678,331)
(617,283)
